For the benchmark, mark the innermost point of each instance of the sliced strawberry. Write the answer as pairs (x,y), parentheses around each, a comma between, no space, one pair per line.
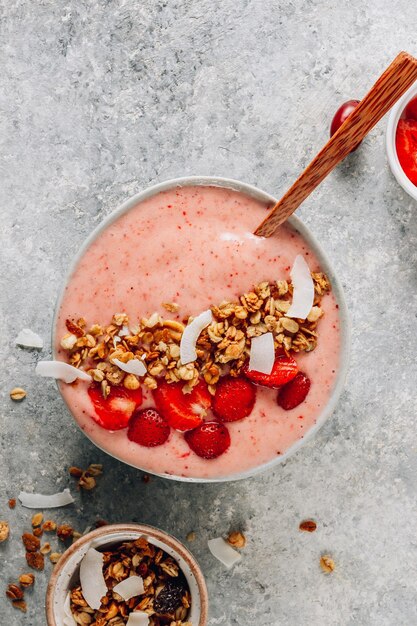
(284,370)
(148,428)
(114,412)
(234,399)
(209,440)
(295,392)
(182,411)
(410,112)
(406,146)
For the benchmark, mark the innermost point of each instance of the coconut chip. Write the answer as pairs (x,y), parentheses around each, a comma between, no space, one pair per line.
(303,293)
(134,366)
(41,501)
(29,339)
(60,370)
(138,618)
(68,619)
(191,333)
(223,552)
(92,581)
(130,587)
(262,353)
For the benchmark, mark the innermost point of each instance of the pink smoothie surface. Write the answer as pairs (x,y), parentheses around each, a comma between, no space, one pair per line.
(194,246)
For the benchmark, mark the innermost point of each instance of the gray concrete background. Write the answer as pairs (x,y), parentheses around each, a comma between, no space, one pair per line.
(100,99)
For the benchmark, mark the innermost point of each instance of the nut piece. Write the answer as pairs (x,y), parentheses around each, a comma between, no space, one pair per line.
(26,580)
(17,394)
(327,564)
(87,482)
(31,543)
(37,520)
(35,560)
(308,526)
(4,531)
(236,539)
(45,548)
(64,532)
(54,557)
(14,592)
(21,605)
(49,526)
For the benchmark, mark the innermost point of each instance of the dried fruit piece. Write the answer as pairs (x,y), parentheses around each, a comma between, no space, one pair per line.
(14,592)
(12,503)
(17,394)
(38,532)
(21,605)
(295,392)
(169,598)
(308,526)
(236,539)
(285,369)
(4,531)
(35,560)
(75,472)
(234,399)
(327,564)
(209,440)
(182,411)
(148,428)
(26,580)
(31,543)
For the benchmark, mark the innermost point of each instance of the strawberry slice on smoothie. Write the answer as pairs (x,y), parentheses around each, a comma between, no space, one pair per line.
(182,411)
(234,399)
(209,440)
(284,369)
(115,411)
(294,393)
(406,145)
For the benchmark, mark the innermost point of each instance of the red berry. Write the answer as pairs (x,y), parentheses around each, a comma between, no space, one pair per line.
(114,412)
(148,428)
(294,393)
(234,399)
(209,440)
(406,146)
(284,370)
(182,411)
(341,115)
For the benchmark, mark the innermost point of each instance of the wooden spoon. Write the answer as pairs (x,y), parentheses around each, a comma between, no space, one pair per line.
(389,87)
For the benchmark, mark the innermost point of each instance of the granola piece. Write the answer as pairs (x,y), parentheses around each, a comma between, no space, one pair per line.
(35,560)
(68,341)
(64,532)
(4,531)
(327,564)
(45,548)
(315,314)
(31,543)
(172,307)
(20,604)
(49,526)
(74,328)
(37,520)
(54,557)
(26,580)
(17,394)
(308,526)
(131,382)
(236,539)
(14,592)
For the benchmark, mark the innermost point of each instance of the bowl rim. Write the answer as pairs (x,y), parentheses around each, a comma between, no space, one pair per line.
(393,160)
(306,234)
(141,529)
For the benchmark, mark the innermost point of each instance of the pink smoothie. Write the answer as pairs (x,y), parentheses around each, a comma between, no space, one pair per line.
(193,246)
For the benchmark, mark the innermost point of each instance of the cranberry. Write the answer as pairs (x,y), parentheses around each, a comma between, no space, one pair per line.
(341,115)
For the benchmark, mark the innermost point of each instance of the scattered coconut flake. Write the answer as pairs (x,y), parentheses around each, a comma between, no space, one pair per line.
(130,587)
(68,618)
(134,366)
(191,334)
(41,501)
(223,552)
(138,618)
(303,294)
(93,585)
(262,353)
(60,370)
(29,339)
(124,331)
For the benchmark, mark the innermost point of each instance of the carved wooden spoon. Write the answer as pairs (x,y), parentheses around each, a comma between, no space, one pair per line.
(389,87)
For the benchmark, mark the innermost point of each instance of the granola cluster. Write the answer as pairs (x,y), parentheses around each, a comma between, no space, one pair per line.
(166,600)
(222,348)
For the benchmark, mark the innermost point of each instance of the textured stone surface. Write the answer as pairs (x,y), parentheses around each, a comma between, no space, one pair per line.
(98,100)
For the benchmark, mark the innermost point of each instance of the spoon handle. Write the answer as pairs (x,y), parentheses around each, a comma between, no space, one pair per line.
(389,87)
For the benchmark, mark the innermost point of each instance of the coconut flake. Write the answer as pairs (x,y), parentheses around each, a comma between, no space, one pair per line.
(130,587)
(29,339)
(41,501)
(303,293)
(262,353)
(124,331)
(138,618)
(68,618)
(60,370)
(223,552)
(93,585)
(134,366)
(191,334)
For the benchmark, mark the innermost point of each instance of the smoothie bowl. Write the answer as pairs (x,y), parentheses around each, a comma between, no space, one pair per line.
(204,352)
(127,574)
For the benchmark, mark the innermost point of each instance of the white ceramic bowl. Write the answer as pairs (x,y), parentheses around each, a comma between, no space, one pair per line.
(393,160)
(65,573)
(324,262)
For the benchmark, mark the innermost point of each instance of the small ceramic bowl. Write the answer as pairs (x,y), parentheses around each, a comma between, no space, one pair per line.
(393,160)
(65,573)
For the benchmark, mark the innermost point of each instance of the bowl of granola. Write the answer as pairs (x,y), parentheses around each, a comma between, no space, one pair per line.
(190,348)
(127,574)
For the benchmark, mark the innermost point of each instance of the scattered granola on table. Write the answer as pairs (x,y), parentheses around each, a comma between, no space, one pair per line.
(86,478)
(4,531)
(327,564)
(166,598)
